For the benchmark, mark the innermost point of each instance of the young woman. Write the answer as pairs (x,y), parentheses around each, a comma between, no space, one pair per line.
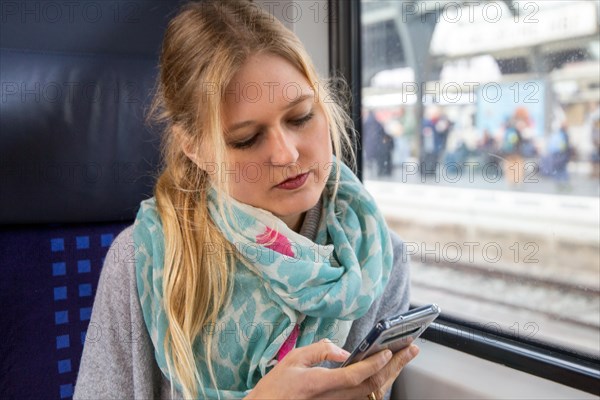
(261,255)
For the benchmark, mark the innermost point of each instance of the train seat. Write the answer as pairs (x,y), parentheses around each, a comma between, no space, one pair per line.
(76,158)
(49,277)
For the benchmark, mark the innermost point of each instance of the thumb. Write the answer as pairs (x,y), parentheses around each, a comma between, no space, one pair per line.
(323,350)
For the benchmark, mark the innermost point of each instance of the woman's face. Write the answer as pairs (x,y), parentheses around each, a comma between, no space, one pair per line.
(277,138)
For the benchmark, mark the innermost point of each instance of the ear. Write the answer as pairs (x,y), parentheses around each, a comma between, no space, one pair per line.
(187,144)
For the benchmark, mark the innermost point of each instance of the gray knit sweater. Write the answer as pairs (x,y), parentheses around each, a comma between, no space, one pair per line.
(118,355)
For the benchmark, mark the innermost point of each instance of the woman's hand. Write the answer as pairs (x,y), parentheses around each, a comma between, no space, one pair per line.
(296,378)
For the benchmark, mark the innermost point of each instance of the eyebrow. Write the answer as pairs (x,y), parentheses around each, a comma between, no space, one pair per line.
(296,101)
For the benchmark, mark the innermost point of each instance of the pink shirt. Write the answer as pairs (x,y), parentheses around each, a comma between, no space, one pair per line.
(289,343)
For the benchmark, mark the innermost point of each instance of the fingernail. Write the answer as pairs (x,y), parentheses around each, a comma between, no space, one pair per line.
(344,352)
(414,350)
(387,354)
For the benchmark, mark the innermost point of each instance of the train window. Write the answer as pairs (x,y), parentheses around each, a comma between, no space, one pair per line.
(481,143)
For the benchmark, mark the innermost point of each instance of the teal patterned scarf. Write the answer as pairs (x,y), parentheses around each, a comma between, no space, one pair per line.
(281,279)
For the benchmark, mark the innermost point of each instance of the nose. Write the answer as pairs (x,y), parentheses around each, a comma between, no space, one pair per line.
(282,148)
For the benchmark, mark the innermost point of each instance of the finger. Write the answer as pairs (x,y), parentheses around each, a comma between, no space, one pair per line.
(383,380)
(391,371)
(377,382)
(403,357)
(355,374)
(316,353)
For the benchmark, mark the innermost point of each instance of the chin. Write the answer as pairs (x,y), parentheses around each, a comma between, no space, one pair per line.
(296,206)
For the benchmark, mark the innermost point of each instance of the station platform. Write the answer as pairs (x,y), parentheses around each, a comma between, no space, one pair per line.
(554,237)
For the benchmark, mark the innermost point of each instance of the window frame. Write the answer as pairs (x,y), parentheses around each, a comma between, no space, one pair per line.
(345,60)
(539,359)
(535,358)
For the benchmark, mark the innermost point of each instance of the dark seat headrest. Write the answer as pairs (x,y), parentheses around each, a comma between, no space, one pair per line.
(74,146)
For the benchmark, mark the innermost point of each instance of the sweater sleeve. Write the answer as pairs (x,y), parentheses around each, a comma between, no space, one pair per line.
(395,298)
(118,357)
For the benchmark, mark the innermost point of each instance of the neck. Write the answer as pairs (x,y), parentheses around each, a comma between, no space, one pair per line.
(294,222)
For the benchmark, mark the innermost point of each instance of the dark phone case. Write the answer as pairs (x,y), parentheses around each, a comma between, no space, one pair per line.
(394,333)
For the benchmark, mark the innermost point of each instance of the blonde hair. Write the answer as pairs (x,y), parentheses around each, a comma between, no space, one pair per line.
(205,44)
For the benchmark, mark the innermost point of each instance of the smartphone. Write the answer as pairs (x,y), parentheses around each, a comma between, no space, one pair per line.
(395,333)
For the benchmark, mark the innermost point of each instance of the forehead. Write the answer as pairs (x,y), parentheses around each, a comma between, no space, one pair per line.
(264,81)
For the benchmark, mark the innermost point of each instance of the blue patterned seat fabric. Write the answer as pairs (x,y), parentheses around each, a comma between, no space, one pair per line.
(49,278)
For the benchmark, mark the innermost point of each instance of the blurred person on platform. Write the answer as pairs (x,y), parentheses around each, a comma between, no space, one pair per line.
(488,149)
(401,128)
(516,145)
(559,154)
(378,146)
(435,130)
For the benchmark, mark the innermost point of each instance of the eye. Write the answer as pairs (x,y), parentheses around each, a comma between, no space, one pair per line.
(300,122)
(244,144)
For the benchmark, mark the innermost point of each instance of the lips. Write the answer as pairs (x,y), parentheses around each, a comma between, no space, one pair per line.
(294,182)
